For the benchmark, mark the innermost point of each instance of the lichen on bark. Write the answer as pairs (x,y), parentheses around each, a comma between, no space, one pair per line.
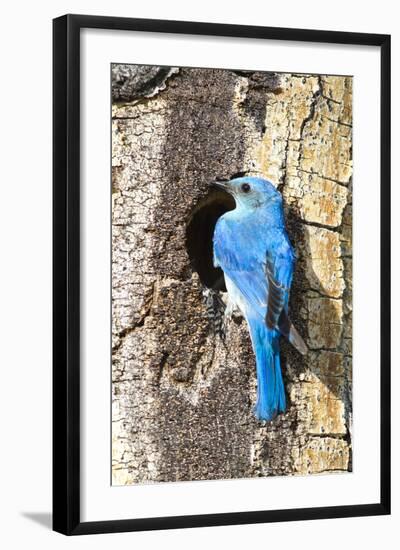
(182,398)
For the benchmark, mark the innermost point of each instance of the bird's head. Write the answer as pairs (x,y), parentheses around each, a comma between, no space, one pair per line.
(250,192)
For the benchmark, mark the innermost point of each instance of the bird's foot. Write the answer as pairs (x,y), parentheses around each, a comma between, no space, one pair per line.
(229,310)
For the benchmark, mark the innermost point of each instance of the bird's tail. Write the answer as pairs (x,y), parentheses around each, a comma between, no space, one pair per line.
(271,397)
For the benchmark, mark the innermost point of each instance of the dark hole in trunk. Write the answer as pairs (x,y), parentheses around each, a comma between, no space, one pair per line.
(199,234)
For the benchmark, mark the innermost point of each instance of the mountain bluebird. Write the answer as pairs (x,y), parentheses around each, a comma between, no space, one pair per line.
(253,250)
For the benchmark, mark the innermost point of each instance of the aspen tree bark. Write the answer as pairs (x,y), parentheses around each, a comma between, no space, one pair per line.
(182,397)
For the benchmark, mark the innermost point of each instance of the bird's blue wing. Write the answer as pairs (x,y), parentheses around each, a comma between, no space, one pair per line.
(241,264)
(279,272)
(262,276)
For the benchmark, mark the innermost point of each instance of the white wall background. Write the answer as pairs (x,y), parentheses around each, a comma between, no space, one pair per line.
(25,299)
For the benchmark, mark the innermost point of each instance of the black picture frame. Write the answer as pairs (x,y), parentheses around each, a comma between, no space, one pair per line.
(66,274)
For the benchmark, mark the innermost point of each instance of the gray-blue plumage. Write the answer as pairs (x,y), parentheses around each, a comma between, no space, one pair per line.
(253,250)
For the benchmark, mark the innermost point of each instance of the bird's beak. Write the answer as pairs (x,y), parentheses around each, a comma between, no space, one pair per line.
(221,185)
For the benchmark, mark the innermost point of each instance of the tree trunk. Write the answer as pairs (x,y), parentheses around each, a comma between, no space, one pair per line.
(182,395)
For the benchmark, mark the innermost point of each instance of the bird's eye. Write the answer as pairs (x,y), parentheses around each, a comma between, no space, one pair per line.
(245,187)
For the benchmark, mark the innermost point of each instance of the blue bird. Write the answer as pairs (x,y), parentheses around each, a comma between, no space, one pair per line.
(252,248)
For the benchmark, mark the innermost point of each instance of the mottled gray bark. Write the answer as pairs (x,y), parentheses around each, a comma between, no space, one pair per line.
(182,398)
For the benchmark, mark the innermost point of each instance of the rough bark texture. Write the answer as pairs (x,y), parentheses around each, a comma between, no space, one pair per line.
(182,400)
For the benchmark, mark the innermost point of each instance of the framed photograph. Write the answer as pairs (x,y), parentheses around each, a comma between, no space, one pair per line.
(221,274)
